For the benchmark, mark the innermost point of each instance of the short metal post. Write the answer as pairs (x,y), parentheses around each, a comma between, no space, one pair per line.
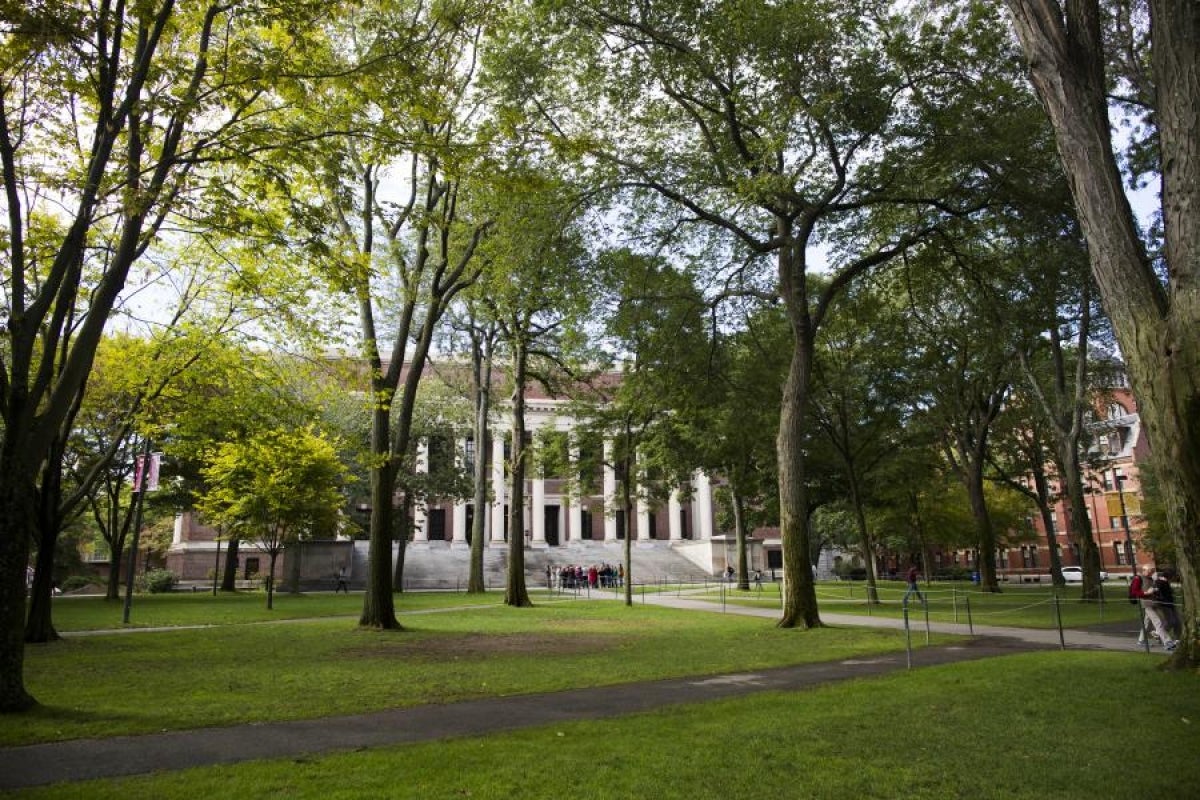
(1062,642)
(907,636)
(970,622)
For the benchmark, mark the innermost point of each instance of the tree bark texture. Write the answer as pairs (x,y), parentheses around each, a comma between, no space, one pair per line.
(1080,526)
(739,533)
(379,610)
(17,514)
(229,575)
(1156,325)
(482,380)
(515,593)
(800,598)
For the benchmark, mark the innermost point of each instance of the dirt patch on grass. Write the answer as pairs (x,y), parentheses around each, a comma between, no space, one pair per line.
(478,646)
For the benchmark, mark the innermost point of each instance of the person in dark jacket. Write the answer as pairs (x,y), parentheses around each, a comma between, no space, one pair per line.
(1142,589)
(914,575)
(1164,604)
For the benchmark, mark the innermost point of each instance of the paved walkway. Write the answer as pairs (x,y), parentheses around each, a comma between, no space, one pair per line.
(78,760)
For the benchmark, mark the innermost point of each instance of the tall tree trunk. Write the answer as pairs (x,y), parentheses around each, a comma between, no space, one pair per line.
(271,578)
(799,592)
(379,610)
(515,593)
(229,575)
(39,626)
(1155,325)
(403,521)
(864,535)
(1081,526)
(482,378)
(627,506)
(739,536)
(112,588)
(1041,488)
(17,520)
(985,532)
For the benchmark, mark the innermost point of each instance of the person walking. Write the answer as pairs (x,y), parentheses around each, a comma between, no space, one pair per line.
(913,577)
(1141,589)
(342,584)
(1164,604)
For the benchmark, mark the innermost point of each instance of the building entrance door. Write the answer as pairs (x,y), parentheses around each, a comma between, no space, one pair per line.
(551,520)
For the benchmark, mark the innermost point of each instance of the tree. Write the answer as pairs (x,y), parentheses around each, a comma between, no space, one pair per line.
(858,401)
(483,346)
(1022,458)
(655,325)
(781,126)
(731,422)
(1155,320)
(396,196)
(538,289)
(965,362)
(274,487)
(106,113)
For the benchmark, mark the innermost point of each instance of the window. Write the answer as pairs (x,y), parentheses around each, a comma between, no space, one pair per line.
(1119,554)
(469,455)
(1116,523)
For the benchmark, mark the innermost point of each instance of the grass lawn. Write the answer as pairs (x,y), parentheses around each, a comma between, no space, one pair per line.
(1017,606)
(109,684)
(90,613)
(1046,725)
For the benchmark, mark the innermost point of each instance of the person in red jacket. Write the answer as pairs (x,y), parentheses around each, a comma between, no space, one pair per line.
(914,575)
(1142,589)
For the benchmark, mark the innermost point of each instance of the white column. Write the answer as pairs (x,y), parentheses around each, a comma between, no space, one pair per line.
(499,494)
(420,527)
(458,529)
(643,519)
(575,507)
(702,505)
(459,534)
(610,495)
(538,526)
(673,526)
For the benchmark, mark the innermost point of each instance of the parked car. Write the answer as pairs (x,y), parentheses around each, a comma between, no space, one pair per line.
(1075,574)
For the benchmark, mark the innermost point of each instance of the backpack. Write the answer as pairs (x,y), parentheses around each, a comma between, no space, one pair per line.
(1133,597)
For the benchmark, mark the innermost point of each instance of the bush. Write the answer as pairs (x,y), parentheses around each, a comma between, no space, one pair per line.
(157,581)
(953,573)
(77,582)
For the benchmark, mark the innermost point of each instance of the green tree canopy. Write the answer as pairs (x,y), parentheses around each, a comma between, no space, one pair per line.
(274,487)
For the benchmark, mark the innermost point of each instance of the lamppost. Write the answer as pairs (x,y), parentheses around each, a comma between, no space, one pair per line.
(1091,490)
(1119,480)
(145,478)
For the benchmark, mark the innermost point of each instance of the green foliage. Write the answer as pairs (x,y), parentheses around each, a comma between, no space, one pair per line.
(77,582)
(274,486)
(156,581)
